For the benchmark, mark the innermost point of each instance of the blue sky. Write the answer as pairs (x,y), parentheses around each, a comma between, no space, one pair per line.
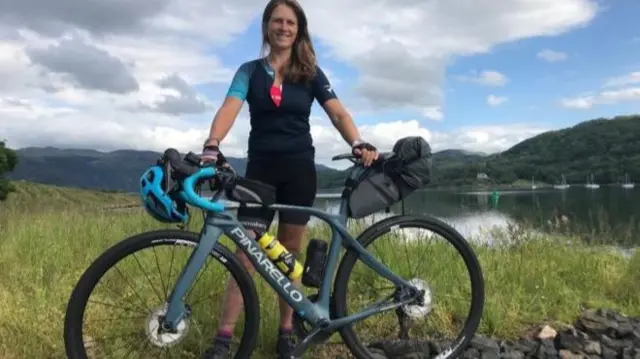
(609,46)
(373,50)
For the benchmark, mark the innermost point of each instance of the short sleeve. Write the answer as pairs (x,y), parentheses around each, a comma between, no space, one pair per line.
(322,90)
(240,84)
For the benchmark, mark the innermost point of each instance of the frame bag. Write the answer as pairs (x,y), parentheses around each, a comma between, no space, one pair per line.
(247,191)
(391,180)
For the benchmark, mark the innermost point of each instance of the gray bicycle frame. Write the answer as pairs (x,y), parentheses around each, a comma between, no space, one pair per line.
(314,312)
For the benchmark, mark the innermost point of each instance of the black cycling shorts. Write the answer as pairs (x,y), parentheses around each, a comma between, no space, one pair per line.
(295,182)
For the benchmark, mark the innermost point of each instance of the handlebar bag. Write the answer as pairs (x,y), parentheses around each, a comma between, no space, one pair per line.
(391,180)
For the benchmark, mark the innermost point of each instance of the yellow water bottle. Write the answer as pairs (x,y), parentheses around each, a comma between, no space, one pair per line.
(280,256)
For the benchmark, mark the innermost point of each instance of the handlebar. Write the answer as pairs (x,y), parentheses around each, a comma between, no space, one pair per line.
(190,172)
(351,157)
(190,196)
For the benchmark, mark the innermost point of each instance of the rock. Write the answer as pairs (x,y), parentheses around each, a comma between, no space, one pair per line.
(627,353)
(593,348)
(608,353)
(440,346)
(490,355)
(593,323)
(483,344)
(377,353)
(635,336)
(578,333)
(400,348)
(547,333)
(567,354)
(471,353)
(547,349)
(415,356)
(596,334)
(512,355)
(523,346)
(625,329)
(526,346)
(565,340)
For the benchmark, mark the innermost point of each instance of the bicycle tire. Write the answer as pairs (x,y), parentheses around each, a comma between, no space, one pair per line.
(350,338)
(73,336)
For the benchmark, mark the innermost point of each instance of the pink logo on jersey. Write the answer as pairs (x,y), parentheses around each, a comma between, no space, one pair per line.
(276,95)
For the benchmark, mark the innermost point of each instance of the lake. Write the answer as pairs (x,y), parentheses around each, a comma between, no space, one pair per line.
(596,213)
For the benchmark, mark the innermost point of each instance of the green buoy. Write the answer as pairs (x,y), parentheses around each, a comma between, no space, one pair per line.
(495,197)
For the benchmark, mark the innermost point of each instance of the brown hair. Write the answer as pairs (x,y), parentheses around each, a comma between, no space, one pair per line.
(302,66)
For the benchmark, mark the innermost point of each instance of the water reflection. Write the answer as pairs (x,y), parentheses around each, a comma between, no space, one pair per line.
(479,226)
(609,212)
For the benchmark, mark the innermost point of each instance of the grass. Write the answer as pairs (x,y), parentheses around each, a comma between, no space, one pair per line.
(49,236)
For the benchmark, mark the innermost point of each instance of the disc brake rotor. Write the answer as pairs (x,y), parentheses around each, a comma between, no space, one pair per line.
(424,306)
(162,338)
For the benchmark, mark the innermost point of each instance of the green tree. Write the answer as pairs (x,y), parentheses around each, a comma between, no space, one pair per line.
(8,162)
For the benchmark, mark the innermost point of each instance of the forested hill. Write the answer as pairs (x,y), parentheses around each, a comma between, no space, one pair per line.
(85,168)
(121,170)
(606,148)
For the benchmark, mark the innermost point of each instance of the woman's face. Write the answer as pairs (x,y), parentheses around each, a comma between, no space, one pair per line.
(282,28)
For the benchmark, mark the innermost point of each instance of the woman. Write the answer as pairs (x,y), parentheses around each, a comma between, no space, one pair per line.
(280,89)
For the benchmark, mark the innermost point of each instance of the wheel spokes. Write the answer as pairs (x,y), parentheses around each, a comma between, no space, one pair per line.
(124,310)
(424,259)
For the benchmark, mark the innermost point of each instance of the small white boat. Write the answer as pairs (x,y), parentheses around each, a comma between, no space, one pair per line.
(627,184)
(562,185)
(591,184)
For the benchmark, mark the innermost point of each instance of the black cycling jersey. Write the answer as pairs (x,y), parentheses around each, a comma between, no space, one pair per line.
(279,116)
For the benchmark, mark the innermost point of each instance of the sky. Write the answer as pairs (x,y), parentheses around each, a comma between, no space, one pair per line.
(478,75)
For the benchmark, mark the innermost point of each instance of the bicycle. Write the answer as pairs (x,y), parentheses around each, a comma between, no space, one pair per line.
(323,313)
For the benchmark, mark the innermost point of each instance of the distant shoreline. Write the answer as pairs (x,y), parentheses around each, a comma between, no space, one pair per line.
(322,191)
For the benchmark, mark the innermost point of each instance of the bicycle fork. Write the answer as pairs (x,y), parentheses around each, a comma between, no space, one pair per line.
(176,310)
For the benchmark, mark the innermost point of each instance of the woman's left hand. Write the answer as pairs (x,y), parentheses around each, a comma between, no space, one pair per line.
(366,152)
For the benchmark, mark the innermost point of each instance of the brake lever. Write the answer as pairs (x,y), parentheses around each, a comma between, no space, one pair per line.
(221,179)
(192,159)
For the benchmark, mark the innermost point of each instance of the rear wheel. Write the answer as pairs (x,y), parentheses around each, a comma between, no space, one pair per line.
(127,309)
(438,316)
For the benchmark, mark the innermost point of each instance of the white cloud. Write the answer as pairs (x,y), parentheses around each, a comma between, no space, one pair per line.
(84,65)
(625,80)
(552,56)
(630,94)
(400,50)
(72,80)
(433,113)
(621,94)
(486,139)
(489,138)
(493,100)
(58,127)
(578,103)
(423,36)
(487,78)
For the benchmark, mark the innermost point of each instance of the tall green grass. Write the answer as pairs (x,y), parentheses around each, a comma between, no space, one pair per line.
(49,236)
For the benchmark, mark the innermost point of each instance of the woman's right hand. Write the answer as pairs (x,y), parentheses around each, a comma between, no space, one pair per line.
(209,155)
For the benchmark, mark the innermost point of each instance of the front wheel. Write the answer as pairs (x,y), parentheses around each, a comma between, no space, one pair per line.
(435,322)
(126,308)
